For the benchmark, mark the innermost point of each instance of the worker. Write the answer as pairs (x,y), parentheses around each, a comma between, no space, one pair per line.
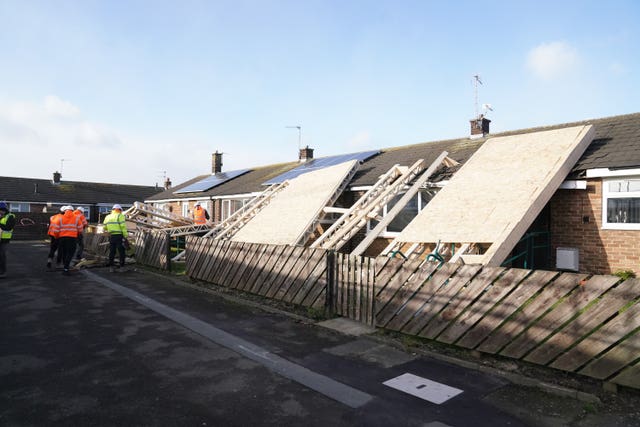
(200,214)
(69,229)
(116,226)
(79,212)
(53,231)
(7,222)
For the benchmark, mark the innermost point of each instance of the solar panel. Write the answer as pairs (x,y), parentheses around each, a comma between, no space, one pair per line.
(321,163)
(212,181)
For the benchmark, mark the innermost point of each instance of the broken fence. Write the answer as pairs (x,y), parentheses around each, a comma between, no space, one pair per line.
(573,322)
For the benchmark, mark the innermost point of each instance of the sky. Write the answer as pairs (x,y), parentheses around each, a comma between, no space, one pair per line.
(133,92)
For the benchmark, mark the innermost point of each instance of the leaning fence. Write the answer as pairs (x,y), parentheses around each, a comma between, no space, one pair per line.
(574,322)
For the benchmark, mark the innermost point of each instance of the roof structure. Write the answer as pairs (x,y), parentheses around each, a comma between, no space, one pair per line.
(293,211)
(519,189)
(616,145)
(32,190)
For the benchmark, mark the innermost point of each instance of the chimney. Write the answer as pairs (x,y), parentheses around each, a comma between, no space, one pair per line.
(216,162)
(167,184)
(306,154)
(35,188)
(479,126)
(56,177)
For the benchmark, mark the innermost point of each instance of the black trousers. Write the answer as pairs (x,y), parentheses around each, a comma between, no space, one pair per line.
(80,246)
(68,247)
(53,247)
(3,256)
(115,243)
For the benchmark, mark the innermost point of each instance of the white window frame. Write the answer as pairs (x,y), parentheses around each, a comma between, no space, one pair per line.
(185,209)
(607,194)
(19,207)
(225,206)
(393,234)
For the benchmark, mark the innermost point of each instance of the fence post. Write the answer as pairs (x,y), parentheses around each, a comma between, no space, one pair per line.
(331,278)
(168,246)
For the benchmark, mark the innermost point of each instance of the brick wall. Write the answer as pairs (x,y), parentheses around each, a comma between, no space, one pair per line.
(576,222)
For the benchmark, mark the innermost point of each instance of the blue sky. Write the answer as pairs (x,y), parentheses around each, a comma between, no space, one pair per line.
(126,91)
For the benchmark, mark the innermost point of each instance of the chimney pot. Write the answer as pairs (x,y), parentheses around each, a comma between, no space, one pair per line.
(216,162)
(305,154)
(57,176)
(479,126)
(167,184)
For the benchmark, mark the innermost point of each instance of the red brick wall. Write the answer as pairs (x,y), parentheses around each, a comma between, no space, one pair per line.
(576,222)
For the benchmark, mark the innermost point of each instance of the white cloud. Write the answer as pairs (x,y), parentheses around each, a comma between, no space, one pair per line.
(360,140)
(552,60)
(55,106)
(51,122)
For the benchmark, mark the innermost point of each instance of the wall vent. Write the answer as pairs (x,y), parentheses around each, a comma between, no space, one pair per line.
(567,259)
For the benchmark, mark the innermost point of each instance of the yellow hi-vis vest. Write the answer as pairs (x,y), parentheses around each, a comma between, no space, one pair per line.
(115,223)
(6,234)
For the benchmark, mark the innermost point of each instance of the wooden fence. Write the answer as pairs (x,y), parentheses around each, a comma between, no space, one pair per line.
(150,247)
(292,274)
(573,322)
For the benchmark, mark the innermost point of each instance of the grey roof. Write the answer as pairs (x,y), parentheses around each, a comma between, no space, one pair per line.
(33,190)
(250,182)
(616,145)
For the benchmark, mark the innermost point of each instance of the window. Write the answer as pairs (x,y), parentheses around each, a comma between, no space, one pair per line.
(621,204)
(19,207)
(185,209)
(231,206)
(407,214)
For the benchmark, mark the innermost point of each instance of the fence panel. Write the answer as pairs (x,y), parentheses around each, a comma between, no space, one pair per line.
(560,320)
(152,248)
(292,274)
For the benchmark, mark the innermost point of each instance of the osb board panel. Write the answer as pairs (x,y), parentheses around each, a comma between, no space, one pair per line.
(498,186)
(291,211)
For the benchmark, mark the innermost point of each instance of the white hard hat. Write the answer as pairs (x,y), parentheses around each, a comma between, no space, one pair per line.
(63,208)
(117,207)
(68,208)
(198,204)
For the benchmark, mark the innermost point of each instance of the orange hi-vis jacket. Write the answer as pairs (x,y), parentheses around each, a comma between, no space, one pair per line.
(83,219)
(54,225)
(69,225)
(199,216)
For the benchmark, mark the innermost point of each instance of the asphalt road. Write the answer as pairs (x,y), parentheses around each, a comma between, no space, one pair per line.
(136,349)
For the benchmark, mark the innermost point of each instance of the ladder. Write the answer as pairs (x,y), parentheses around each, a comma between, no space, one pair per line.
(152,217)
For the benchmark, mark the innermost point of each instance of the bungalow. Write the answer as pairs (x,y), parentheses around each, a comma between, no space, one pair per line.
(35,200)
(591,224)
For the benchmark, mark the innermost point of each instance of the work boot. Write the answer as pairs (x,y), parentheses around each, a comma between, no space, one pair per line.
(49,264)
(66,272)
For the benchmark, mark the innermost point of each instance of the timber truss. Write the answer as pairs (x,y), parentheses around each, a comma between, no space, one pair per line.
(152,217)
(371,204)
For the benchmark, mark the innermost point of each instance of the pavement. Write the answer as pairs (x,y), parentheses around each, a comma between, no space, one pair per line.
(141,348)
